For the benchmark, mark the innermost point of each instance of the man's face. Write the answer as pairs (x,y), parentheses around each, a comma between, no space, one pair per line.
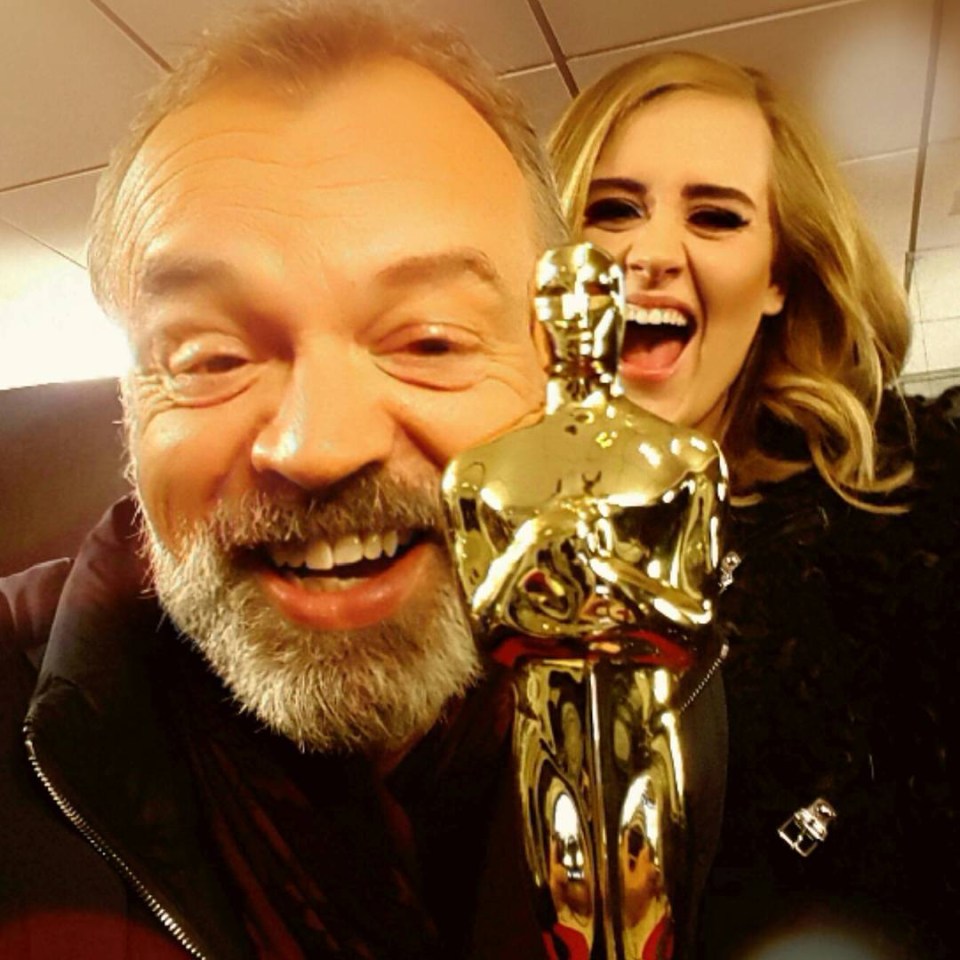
(329,300)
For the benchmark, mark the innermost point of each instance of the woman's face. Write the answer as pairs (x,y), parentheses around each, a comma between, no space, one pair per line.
(680,196)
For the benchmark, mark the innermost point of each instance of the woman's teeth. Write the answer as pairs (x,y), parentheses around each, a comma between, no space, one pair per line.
(656,317)
(323,556)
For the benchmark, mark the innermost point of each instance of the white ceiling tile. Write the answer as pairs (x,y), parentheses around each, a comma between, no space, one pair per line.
(170,27)
(604,24)
(544,93)
(916,362)
(943,343)
(53,331)
(68,79)
(945,119)
(24,263)
(504,31)
(56,213)
(936,280)
(836,60)
(940,206)
(883,188)
(931,386)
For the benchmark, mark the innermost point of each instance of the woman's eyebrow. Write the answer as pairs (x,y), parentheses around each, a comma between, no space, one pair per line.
(714,191)
(693,191)
(626,184)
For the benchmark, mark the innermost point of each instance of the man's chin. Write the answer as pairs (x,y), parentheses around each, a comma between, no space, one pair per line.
(370,687)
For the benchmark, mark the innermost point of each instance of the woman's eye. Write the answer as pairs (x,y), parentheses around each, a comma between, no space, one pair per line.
(611,211)
(718,218)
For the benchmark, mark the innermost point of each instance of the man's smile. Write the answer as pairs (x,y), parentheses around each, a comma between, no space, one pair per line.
(333,564)
(356,581)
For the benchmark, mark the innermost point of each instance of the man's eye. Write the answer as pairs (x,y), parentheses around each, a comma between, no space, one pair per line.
(432,347)
(719,219)
(203,364)
(221,363)
(195,374)
(441,356)
(612,212)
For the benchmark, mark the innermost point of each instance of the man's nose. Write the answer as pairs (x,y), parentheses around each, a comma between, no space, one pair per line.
(655,253)
(329,421)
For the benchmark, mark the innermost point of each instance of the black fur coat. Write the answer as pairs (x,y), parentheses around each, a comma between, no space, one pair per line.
(842,684)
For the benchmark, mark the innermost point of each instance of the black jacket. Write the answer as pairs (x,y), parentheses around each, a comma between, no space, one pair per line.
(842,684)
(90,724)
(125,868)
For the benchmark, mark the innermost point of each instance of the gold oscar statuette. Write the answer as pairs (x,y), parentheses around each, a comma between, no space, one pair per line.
(587,549)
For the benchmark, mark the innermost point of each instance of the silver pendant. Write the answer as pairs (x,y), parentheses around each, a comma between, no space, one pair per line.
(728,566)
(807,828)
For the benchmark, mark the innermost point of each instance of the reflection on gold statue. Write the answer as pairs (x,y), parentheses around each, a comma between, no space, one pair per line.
(600,516)
(587,547)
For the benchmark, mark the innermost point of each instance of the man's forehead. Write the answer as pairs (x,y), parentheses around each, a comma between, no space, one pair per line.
(391,109)
(361,153)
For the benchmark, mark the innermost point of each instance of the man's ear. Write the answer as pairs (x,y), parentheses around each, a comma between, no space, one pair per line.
(540,341)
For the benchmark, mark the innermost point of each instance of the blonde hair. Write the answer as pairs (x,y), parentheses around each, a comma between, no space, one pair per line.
(822,364)
(290,48)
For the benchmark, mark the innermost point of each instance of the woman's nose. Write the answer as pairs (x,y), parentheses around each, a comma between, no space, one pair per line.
(655,253)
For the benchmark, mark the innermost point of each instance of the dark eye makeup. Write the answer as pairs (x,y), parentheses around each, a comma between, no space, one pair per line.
(611,210)
(718,218)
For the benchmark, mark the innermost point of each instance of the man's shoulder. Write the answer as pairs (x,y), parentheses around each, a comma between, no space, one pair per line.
(29,600)
(28,604)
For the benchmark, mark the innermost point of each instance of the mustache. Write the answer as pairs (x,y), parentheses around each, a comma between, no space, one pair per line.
(369,501)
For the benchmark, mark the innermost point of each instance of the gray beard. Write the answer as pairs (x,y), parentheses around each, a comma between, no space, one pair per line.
(368,689)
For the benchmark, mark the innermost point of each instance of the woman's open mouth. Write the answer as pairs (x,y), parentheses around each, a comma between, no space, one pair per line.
(654,340)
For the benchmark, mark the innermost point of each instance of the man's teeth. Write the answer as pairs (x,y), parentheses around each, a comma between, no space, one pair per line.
(322,555)
(656,317)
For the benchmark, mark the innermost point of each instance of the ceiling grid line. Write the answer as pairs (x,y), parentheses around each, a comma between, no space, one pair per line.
(700,32)
(131,34)
(933,60)
(556,51)
(53,178)
(43,243)
(885,94)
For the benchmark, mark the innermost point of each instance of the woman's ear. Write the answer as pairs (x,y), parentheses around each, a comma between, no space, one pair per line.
(774,299)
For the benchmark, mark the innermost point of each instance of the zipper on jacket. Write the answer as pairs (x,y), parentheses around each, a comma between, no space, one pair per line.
(706,678)
(110,855)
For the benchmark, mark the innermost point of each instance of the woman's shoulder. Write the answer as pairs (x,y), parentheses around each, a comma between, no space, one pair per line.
(924,429)
(892,562)
(926,432)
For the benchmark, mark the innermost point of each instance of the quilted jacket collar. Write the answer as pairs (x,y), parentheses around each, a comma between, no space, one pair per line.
(100,744)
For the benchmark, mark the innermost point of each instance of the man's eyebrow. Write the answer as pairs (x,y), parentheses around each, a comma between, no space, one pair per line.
(166,274)
(692,191)
(442,266)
